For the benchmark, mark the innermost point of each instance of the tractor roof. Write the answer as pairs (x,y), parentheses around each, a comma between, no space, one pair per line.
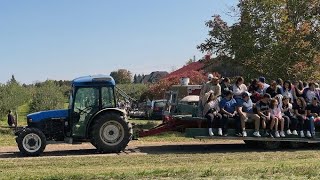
(94,80)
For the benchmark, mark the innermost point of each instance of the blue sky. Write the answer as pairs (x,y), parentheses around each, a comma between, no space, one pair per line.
(64,39)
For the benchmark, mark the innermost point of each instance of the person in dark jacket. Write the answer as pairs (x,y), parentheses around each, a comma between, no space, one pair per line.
(273,90)
(225,86)
(11,119)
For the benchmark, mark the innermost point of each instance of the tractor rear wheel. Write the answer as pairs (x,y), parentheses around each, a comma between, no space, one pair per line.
(111,133)
(31,142)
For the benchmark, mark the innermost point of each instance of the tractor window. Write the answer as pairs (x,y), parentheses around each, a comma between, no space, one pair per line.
(86,99)
(107,97)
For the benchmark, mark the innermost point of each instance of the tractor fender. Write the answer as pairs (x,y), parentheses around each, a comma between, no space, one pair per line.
(106,110)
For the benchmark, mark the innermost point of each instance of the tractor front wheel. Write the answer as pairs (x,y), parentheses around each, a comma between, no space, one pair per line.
(31,142)
(111,133)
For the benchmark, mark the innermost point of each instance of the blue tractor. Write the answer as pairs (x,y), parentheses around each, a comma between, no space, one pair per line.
(92,116)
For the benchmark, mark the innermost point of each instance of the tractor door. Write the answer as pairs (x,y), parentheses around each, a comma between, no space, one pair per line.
(86,104)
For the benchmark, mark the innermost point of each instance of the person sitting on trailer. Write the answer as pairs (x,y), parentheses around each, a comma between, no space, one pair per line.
(239,87)
(276,117)
(273,90)
(299,108)
(313,112)
(245,110)
(211,85)
(211,111)
(225,86)
(288,115)
(311,92)
(287,90)
(262,109)
(228,110)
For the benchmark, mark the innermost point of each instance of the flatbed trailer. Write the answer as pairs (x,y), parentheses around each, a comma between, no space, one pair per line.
(196,127)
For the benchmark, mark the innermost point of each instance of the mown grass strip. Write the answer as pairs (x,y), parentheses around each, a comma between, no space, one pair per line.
(246,165)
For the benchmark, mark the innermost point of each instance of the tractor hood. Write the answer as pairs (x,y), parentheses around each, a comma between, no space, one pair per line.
(42,115)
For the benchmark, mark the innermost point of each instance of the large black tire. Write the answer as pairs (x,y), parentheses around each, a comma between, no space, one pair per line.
(31,142)
(111,133)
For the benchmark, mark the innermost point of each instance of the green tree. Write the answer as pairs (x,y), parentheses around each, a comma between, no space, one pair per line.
(274,38)
(47,96)
(122,76)
(12,95)
(134,90)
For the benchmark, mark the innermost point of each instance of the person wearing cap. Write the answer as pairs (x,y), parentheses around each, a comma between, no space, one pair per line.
(212,85)
(313,113)
(211,111)
(228,110)
(238,88)
(245,110)
(202,93)
(263,110)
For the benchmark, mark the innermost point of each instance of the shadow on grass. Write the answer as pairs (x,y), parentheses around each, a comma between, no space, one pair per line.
(216,148)
(168,149)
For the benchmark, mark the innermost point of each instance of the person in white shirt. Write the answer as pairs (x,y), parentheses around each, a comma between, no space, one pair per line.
(238,88)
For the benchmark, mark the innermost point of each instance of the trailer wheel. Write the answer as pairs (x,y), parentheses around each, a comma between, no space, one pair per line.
(271,145)
(111,133)
(31,142)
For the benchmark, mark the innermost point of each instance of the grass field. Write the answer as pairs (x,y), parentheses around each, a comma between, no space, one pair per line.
(232,165)
(241,163)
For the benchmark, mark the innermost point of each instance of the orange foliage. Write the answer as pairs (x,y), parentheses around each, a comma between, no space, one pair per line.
(157,91)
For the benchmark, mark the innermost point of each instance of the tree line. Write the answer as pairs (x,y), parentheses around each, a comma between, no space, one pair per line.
(39,96)
(273,38)
(48,95)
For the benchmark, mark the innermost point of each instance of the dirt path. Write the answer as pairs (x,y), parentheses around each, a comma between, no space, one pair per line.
(134,148)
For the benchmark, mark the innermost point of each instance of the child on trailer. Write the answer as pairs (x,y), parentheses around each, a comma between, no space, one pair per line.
(276,117)
(288,115)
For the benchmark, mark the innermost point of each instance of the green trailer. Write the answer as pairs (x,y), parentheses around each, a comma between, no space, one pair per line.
(183,117)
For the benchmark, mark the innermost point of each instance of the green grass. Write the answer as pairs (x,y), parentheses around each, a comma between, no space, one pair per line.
(245,165)
(199,164)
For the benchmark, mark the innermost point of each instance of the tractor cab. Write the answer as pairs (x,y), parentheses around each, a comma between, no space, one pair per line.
(92,116)
(89,96)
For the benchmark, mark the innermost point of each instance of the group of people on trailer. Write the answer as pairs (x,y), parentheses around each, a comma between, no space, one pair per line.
(280,109)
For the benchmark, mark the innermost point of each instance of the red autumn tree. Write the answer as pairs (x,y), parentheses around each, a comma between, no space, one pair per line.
(157,91)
